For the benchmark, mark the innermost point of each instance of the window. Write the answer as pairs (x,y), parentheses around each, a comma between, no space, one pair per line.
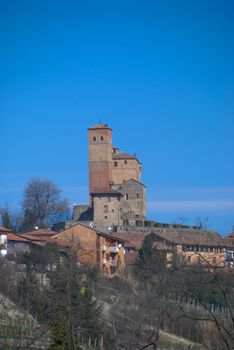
(102,138)
(105,217)
(94,138)
(105,208)
(137,216)
(138,196)
(126,197)
(115,164)
(113,210)
(125,162)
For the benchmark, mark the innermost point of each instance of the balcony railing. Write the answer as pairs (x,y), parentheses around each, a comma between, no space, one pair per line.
(114,249)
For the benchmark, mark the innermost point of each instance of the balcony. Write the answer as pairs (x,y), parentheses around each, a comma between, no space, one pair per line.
(114,249)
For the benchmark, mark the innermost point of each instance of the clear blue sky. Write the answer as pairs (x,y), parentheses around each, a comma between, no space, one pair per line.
(161,73)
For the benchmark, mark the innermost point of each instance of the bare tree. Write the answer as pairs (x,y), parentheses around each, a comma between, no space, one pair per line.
(10,218)
(42,199)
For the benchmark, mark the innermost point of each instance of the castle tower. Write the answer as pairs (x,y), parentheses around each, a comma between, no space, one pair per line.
(100,157)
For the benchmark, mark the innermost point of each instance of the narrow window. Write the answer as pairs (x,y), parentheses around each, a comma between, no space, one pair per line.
(126,197)
(105,217)
(94,138)
(138,196)
(213,260)
(115,164)
(113,210)
(105,208)
(102,138)
(125,162)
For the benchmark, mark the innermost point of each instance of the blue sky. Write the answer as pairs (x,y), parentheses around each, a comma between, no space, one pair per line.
(161,73)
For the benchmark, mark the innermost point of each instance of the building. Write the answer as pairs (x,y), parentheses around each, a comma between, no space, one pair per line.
(95,248)
(229,250)
(191,248)
(117,197)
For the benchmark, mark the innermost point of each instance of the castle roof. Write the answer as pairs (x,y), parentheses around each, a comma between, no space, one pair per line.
(99,126)
(106,190)
(123,155)
(130,180)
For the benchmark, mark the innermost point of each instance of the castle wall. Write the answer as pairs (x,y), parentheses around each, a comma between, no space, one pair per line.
(133,202)
(106,210)
(82,213)
(125,169)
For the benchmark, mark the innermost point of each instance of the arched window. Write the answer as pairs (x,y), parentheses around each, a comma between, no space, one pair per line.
(105,208)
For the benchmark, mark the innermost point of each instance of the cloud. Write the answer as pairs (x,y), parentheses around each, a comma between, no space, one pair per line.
(177,206)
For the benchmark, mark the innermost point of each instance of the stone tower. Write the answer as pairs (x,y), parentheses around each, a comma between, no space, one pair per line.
(100,157)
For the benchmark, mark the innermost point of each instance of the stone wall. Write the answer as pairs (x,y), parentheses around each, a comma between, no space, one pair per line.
(133,202)
(106,210)
(82,213)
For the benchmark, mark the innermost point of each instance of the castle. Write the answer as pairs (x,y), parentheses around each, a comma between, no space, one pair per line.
(117,197)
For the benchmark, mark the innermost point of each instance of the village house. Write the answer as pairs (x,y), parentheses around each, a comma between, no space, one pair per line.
(229,250)
(189,246)
(192,248)
(106,251)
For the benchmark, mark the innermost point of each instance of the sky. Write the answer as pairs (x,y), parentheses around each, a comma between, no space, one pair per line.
(160,73)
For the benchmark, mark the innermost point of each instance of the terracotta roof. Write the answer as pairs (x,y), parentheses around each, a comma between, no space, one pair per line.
(104,234)
(99,126)
(133,239)
(18,238)
(4,229)
(106,190)
(194,239)
(41,232)
(35,237)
